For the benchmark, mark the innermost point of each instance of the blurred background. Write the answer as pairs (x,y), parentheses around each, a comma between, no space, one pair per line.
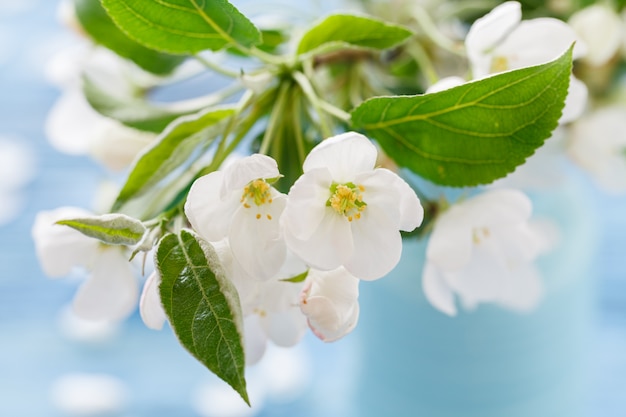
(53,364)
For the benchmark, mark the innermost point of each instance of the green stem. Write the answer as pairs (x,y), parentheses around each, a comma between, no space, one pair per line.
(279,108)
(216,68)
(419,54)
(297,127)
(430,29)
(308,91)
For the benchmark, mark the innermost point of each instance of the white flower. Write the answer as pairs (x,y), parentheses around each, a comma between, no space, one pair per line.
(483,249)
(597,142)
(110,292)
(601,30)
(330,303)
(150,306)
(501,41)
(239,203)
(17,168)
(343,211)
(270,307)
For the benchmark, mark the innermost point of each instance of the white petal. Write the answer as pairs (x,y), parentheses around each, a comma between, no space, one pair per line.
(208,214)
(445,84)
(60,248)
(116,146)
(450,243)
(255,238)
(437,291)
(72,123)
(377,245)
(523,290)
(150,306)
(330,302)
(575,102)
(286,328)
(538,41)
(306,205)
(601,30)
(243,171)
(111,292)
(255,339)
(489,31)
(329,246)
(344,155)
(17,164)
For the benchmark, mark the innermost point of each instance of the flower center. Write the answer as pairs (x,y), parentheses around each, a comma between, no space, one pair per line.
(257,192)
(347,200)
(499,64)
(480,234)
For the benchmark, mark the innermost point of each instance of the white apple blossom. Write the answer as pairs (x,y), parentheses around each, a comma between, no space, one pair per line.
(601,30)
(270,307)
(239,203)
(597,142)
(150,307)
(501,41)
(483,250)
(344,211)
(330,302)
(110,291)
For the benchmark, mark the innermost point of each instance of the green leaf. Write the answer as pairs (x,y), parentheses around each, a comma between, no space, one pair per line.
(99,26)
(474,133)
(171,150)
(297,278)
(114,229)
(341,31)
(133,112)
(202,306)
(183,26)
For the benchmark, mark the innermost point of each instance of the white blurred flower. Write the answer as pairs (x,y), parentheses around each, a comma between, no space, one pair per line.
(17,168)
(501,41)
(239,203)
(597,142)
(83,394)
(110,291)
(330,303)
(343,211)
(601,30)
(483,250)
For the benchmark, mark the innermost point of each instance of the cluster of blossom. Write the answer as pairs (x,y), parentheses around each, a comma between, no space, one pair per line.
(340,221)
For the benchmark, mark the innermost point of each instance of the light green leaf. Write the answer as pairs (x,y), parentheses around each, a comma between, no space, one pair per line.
(183,26)
(133,112)
(114,229)
(297,278)
(171,150)
(341,31)
(202,306)
(474,133)
(99,26)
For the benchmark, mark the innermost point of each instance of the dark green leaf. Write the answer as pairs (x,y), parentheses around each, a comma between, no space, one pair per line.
(99,26)
(133,112)
(183,26)
(474,133)
(341,31)
(202,306)
(172,149)
(114,229)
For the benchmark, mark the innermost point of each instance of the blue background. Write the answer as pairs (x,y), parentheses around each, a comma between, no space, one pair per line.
(159,375)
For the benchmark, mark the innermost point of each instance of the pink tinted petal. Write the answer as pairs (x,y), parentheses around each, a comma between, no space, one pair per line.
(377,245)
(306,205)
(255,239)
(437,291)
(329,246)
(150,307)
(110,293)
(208,214)
(60,248)
(243,171)
(344,155)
